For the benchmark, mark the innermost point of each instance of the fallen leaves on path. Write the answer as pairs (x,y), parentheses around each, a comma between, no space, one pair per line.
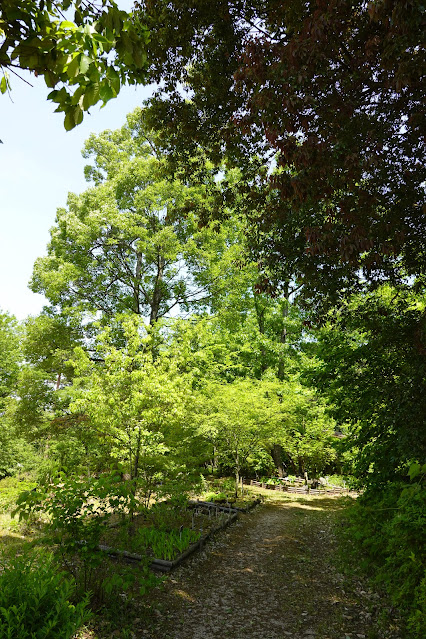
(272,575)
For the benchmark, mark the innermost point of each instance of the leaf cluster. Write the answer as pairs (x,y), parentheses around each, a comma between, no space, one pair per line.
(373,370)
(88,49)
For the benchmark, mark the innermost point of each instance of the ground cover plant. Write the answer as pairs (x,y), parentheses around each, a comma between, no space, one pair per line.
(166,545)
(165,530)
(37,600)
(75,513)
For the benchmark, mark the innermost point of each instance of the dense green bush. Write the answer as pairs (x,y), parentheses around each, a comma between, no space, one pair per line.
(77,512)
(388,531)
(35,600)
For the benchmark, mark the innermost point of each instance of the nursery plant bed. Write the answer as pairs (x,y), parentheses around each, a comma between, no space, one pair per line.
(163,565)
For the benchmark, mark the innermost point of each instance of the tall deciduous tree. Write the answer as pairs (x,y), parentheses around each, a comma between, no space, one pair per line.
(131,242)
(48,344)
(304,437)
(15,452)
(236,418)
(10,356)
(243,418)
(136,407)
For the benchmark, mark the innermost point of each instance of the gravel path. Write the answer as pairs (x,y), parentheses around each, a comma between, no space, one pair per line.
(272,575)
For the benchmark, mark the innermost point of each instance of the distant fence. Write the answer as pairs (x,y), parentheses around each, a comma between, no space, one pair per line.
(303,490)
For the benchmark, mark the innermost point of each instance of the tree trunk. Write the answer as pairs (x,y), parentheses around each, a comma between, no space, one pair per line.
(215,458)
(260,316)
(283,336)
(277,456)
(136,289)
(237,472)
(157,294)
(135,475)
(237,481)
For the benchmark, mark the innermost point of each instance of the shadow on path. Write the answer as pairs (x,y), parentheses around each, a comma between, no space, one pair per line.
(270,576)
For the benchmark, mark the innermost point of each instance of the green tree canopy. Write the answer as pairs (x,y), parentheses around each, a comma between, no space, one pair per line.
(373,370)
(247,418)
(331,93)
(235,418)
(136,407)
(10,356)
(15,453)
(131,242)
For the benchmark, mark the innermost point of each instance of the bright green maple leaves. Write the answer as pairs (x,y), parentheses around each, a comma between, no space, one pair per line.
(89,57)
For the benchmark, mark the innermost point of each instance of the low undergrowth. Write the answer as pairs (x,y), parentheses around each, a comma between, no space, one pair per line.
(386,532)
(166,545)
(163,531)
(37,601)
(222,491)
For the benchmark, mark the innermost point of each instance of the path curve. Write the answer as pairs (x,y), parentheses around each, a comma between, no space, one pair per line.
(272,575)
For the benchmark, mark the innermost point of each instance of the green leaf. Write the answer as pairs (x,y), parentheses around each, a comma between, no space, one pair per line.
(117,21)
(414,470)
(91,96)
(51,79)
(77,97)
(128,44)
(78,115)
(32,61)
(3,85)
(73,67)
(106,93)
(73,116)
(66,24)
(114,79)
(100,39)
(58,96)
(139,56)
(85,62)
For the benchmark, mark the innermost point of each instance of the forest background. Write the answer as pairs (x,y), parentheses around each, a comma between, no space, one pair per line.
(240,290)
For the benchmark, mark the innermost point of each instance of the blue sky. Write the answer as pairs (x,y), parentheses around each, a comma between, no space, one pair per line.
(39,164)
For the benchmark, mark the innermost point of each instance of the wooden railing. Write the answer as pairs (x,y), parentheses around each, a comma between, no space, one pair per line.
(300,489)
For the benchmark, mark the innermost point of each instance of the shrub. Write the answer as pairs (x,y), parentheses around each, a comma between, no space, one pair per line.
(272,481)
(388,530)
(77,512)
(35,600)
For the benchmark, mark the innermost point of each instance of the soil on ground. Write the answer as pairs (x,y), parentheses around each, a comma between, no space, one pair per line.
(272,575)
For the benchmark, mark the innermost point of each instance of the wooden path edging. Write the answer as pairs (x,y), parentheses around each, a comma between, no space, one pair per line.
(211,504)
